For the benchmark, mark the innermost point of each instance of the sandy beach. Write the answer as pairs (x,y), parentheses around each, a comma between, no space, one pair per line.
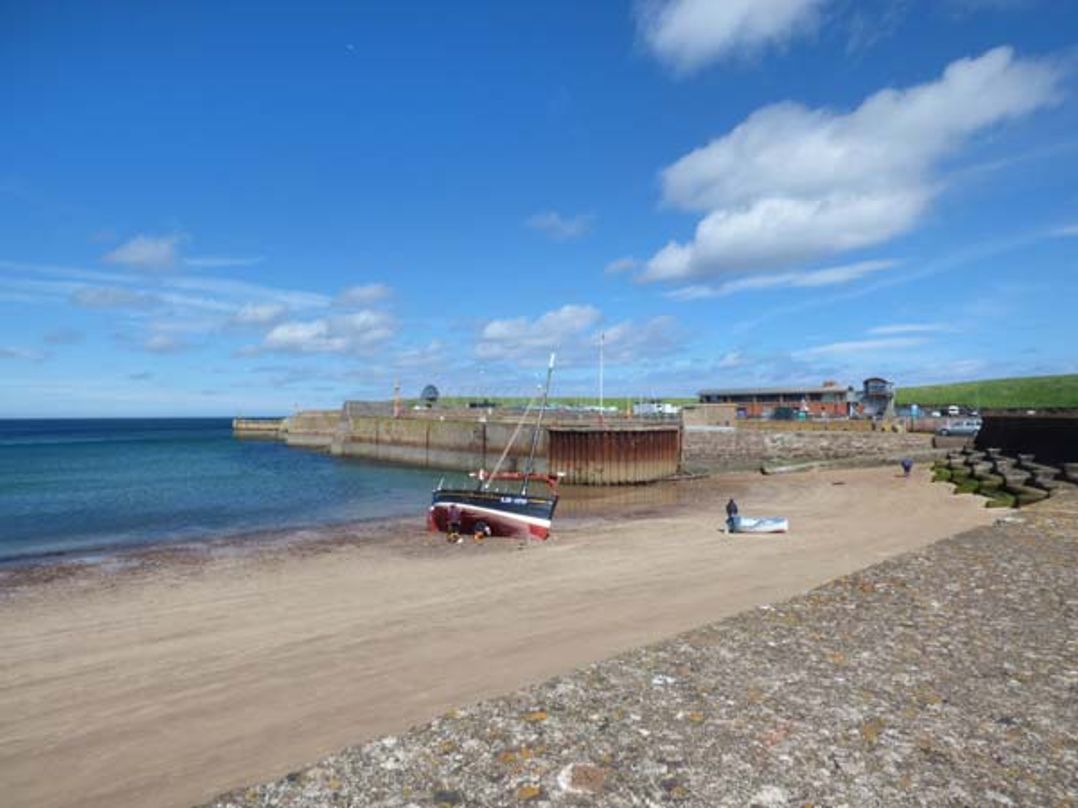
(167,683)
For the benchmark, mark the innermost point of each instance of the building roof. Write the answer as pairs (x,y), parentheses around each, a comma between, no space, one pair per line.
(773,391)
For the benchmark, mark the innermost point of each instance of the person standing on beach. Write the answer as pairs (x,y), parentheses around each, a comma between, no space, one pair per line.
(731,514)
(907,466)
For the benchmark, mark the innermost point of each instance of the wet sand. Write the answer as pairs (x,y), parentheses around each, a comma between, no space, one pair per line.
(167,678)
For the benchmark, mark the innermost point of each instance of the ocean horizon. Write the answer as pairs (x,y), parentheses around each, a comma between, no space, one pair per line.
(87,486)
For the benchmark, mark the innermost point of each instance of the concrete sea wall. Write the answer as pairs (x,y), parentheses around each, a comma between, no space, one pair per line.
(434,443)
(592,453)
(585,454)
(714,450)
(258,427)
(312,428)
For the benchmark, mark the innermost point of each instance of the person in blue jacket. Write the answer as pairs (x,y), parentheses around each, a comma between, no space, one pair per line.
(731,514)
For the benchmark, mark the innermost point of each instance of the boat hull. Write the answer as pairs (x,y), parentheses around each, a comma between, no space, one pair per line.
(767,524)
(503,514)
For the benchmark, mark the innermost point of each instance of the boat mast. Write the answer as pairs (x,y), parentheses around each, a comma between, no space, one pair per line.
(538,426)
(602,343)
(509,445)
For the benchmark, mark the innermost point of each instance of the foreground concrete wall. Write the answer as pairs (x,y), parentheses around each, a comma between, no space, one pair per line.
(750,448)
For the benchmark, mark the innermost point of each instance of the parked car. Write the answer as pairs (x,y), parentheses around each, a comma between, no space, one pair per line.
(968,426)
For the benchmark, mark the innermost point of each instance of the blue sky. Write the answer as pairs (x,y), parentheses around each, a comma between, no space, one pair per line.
(240,208)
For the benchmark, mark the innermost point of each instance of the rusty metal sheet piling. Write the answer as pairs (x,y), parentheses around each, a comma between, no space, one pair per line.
(614,455)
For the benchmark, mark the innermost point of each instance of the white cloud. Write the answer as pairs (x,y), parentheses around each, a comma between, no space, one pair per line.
(312,336)
(360,332)
(908,328)
(558,227)
(224,294)
(432,355)
(29,354)
(790,184)
(185,301)
(688,34)
(520,337)
(363,295)
(164,343)
(228,288)
(574,333)
(624,264)
(364,329)
(828,276)
(258,313)
(222,261)
(731,359)
(838,349)
(147,252)
(1066,231)
(630,341)
(776,232)
(112,297)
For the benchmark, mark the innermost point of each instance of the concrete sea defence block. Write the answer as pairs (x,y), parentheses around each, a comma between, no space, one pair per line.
(949,441)
(1027,495)
(1015,477)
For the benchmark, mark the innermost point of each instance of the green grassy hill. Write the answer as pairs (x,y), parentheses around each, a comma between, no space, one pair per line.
(1028,391)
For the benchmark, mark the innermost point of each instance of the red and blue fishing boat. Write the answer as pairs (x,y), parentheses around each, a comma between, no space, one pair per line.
(497,510)
(501,503)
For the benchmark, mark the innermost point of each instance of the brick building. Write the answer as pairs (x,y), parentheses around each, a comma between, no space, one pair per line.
(826,401)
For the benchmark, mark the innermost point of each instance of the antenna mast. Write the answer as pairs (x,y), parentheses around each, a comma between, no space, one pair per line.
(538,426)
(602,343)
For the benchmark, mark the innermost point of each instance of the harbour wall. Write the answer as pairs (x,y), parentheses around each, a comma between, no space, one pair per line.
(257,427)
(590,453)
(582,453)
(430,443)
(314,429)
(738,449)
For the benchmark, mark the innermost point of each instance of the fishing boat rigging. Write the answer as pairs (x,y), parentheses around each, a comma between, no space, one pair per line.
(484,510)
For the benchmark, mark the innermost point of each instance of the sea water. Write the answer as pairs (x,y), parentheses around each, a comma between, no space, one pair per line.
(80,486)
